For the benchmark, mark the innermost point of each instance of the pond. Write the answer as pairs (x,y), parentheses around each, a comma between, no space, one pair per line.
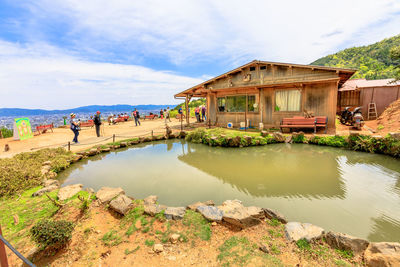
(350,192)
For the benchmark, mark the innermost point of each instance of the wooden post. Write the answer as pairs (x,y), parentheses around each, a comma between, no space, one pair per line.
(245,115)
(187,109)
(113,138)
(3,255)
(151,134)
(69,146)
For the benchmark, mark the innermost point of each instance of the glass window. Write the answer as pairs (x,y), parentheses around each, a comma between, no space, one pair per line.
(235,103)
(251,103)
(221,104)
(287,100)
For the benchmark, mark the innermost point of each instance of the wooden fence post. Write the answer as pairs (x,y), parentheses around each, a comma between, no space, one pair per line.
(3,255)
(69,146)
(113,138)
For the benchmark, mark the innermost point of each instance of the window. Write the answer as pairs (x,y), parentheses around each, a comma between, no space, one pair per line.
(237,103)
(287,100)
(263,67)
(252,68)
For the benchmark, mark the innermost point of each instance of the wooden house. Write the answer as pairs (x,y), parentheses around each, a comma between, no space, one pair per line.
(367,94)
(266,92)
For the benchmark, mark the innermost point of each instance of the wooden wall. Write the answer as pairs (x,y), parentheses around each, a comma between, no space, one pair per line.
(320,99)
(381,96)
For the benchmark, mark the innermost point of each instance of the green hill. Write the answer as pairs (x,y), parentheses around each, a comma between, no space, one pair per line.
(372,61)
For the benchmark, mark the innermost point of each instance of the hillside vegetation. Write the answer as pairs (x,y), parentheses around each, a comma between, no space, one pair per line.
(375,61)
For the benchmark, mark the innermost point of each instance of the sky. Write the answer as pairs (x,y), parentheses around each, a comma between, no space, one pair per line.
(57,54)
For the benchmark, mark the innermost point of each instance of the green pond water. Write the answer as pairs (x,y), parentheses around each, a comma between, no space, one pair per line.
(351,192)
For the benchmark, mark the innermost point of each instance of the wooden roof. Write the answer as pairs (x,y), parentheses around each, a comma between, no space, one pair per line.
(344,74)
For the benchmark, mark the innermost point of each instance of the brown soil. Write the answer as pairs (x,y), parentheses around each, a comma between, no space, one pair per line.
(388,121)
(87,249)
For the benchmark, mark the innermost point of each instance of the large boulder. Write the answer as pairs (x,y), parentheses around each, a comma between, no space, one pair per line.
(153,209)
(278,137)
(150,200)
(272,214)
(69,191)
(122,204)
(346,242)
(211,213)
(106,194)
(45,190)
(198,204)
(382,254)
(175,213)
(238,215)
(295,231)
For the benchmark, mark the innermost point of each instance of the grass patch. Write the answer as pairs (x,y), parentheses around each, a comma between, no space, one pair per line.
(149,242)
(346,254)
(303,244)
(197,224)
(127,251)
(111,238)
(274,222)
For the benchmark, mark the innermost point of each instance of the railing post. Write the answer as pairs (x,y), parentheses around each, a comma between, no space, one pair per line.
(3,255)
(69,146)
(151,134)
(113,138)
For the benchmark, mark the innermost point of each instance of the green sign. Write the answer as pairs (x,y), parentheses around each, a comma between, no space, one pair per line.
(22,129)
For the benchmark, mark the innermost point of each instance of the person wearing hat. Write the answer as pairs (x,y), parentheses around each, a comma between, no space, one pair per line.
(97,123)
(75,127)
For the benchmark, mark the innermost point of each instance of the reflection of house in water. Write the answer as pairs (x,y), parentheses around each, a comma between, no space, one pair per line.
(266,171)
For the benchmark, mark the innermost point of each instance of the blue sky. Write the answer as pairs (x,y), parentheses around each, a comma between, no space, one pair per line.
(68,53)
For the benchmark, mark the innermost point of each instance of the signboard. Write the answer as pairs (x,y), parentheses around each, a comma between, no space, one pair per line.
(22,129)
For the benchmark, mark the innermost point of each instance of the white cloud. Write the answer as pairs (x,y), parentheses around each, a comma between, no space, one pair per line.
(232,30)
(41,76)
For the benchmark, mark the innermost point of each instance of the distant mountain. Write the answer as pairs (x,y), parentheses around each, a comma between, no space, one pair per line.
(92,108)
(372,61)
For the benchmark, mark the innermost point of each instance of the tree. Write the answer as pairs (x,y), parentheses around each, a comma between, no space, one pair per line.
(395,56)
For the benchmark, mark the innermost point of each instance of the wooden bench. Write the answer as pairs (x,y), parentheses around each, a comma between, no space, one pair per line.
(299,122)
(89,123)
(322,121)
(150,117)
(43,128)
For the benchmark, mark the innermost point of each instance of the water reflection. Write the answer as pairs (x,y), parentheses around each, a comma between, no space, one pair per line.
(351,192)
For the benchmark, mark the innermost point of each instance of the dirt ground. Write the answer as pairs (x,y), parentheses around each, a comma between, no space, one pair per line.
(87,136)
(226,247)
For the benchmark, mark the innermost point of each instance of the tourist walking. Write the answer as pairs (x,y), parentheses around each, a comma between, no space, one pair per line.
(97,123)
(203,113)
(161,114)
(75,127)
(136,116)
(180,111)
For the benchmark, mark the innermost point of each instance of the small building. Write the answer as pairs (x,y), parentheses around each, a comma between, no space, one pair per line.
(266,92)
(362,92)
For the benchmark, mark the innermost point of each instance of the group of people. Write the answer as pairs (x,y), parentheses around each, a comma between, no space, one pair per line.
(76,125)
(200,113)
(165,114)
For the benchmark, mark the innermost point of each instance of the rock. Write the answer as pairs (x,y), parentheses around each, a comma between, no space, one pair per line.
(106,194)
(264,133)
(346,242)
(295,231)
(174,238)
(395,135)
(45,169)
(153,209)
(50,182)
(92,152)
(147,139)
(288,139)
(175,213)
(89,190)
(211,213)
(134,142)
(46,163)
(278,137)
(69,191)
(158,248)
(77,158)
(116,146)
(51,175)
(382,254)
(123,144)
(248,139)
(198,204)
(30,255)
(182,134)
(150,200)
(271,214)
(45,190)
(236,214)
(105,149)
(256,212)
(122,204)
(263,248)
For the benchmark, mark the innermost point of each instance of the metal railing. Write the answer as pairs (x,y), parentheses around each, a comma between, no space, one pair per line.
(3,255)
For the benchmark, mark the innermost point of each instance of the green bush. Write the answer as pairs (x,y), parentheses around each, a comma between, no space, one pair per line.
(196,136)
(298,138)
(335,141)
(54,234)
(6,132)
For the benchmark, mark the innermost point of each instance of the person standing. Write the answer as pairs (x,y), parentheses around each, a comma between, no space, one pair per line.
(161,114)
(197,113)
(97,123)
(75,127)
(203,113)
(180,111)
(136,116)
(168,114)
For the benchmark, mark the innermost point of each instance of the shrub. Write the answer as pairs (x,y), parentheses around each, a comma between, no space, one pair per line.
(6,132)
(54,234)
(335,141)
(196,136)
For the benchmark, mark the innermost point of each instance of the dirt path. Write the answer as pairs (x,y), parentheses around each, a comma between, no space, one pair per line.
(87,137)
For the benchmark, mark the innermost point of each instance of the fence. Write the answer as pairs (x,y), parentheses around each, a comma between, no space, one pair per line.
(3,255)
